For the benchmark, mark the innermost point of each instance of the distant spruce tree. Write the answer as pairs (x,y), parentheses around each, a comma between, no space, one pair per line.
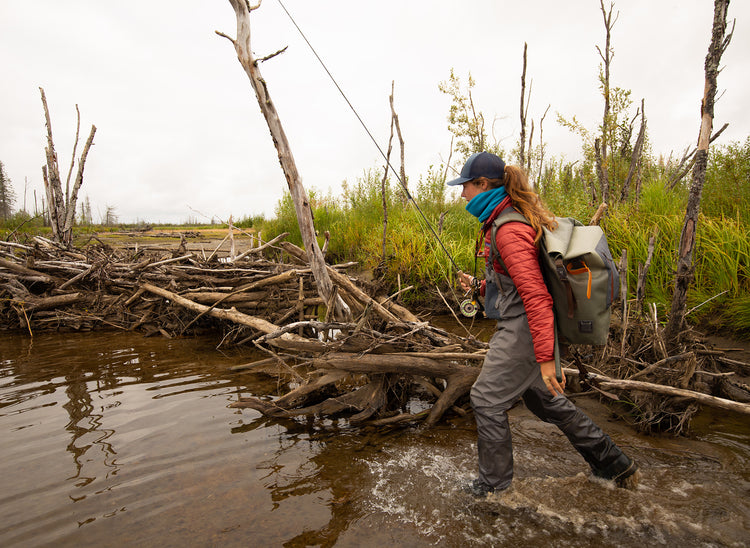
(7,196)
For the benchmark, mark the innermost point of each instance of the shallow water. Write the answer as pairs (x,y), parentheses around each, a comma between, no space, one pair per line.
(112,439)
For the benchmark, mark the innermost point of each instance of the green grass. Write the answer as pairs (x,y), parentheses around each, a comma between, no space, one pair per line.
(720,293)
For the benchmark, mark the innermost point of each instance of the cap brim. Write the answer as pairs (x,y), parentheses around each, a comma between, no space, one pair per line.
(458,181)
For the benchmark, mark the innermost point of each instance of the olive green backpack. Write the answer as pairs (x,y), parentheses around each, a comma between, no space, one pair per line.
(580,274)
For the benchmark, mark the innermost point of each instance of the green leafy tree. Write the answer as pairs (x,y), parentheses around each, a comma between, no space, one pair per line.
(617,130)
(465,121)
(7,196)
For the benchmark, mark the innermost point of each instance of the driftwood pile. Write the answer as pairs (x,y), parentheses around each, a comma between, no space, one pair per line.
(375,360)
(384,366)
(666,381)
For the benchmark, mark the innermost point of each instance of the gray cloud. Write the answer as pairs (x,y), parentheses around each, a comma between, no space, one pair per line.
(180,130)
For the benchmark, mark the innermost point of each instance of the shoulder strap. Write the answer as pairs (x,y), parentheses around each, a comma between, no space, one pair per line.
(507,215)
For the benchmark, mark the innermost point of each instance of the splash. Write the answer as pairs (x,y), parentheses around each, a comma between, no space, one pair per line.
(421,489)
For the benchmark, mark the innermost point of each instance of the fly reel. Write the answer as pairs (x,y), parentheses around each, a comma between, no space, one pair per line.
(469,308)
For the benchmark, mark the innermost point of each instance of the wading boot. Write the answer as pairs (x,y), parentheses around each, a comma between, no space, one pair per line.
(477,488)
(620,471)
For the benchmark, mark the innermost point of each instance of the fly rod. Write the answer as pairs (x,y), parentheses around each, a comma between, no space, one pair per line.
(388,163)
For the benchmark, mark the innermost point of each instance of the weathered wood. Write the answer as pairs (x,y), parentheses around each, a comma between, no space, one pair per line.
(61,207)
(70,201)
(596,219)
(384,186)
(524,111)
(627,384)
(684,271)
(258,250)
(387,363)
(287,340)
(640,291)
(290,399)
(636,156)
(358,400)
(22,270)
(457,385)
(687,162)
(348,286)
(602,143)
(55,301)
(652,367)
(273,280)
(242,10)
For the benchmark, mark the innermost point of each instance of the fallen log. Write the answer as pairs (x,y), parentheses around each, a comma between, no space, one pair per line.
(366,400)
(627,384)
(55,301)
(27,272)
(288,340)
(387,363)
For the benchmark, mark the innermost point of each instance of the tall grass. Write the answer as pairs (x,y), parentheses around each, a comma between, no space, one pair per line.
(720,293)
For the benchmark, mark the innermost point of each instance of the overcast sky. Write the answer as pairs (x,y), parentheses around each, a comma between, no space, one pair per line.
(179,130)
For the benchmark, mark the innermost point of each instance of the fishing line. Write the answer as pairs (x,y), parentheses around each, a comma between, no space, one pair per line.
(388,163)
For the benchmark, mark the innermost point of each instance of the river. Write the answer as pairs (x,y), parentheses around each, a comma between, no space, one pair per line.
(113,439)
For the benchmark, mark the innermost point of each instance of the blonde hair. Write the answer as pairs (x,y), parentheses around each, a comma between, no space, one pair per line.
(524,199)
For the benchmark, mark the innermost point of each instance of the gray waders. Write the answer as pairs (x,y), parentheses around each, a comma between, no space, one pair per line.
(510,371)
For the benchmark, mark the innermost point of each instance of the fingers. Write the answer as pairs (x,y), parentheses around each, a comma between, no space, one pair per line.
(465,280)
(553,386)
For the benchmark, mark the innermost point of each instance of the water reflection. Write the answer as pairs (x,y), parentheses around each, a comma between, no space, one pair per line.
(113,439)
(84,425)
(90,397)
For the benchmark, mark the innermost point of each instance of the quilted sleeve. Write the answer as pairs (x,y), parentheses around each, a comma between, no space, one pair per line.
(515,243)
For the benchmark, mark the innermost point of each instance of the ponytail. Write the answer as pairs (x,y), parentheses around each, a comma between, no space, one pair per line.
(526,201)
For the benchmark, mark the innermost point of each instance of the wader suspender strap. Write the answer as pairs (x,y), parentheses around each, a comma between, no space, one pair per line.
(516,216)
(493,250)
(562,273)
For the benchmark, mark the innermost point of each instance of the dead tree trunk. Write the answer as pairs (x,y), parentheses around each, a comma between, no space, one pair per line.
(242,10)
(636,156)
(62,205)
(402,169)
(601,170)
(688,162)
(540,173)
(684,272)
(524,111)
(384,183)
(607,59)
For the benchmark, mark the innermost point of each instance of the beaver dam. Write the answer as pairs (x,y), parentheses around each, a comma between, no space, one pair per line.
(369,370)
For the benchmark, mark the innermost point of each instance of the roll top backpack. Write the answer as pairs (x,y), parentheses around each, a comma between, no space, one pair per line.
(580,275)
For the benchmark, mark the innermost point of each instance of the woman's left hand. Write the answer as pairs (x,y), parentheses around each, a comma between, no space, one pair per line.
(550,379)
(466,281)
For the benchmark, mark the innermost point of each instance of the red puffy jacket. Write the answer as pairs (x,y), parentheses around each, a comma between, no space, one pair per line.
(515,243)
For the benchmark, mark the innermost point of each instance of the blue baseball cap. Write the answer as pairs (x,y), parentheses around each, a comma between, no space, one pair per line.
(480,164)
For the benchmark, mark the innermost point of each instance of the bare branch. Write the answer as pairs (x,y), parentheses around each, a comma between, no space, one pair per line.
(272,55)
(72,156)
(225,36)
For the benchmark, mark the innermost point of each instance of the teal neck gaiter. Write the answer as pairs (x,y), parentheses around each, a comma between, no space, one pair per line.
(482,205)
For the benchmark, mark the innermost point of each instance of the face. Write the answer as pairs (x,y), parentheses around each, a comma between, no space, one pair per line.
(471,189)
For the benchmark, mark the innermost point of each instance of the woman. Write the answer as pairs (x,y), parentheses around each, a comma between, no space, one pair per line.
(520,361)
